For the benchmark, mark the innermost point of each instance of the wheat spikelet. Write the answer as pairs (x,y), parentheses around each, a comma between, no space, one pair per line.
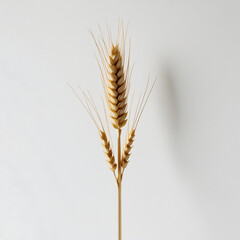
(108,151)
(117,94)
(127,149)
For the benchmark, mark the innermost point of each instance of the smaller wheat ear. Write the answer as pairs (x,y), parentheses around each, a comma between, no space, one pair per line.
(89,103)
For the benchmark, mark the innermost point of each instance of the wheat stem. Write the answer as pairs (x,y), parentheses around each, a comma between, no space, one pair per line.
(120,211)
(119,187)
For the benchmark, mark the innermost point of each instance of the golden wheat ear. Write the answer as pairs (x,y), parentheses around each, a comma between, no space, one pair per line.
(108,151)
(126,152)
(90,107)
(117,96)
(127,148)
(115,77)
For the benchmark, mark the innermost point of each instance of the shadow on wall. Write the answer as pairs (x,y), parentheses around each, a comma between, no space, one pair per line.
(176,113)
(170,109)
(196,112)
(182,116)
(181,110)
(169,98)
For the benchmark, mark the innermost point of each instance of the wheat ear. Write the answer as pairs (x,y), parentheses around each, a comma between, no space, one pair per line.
(117,88)
(115,78)
(90,107)
(131,134)
(108,151)
(127,148)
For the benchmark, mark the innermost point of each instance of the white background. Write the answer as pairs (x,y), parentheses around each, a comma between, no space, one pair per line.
(183,179)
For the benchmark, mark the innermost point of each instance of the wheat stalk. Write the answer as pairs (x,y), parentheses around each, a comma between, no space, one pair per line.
(115,75)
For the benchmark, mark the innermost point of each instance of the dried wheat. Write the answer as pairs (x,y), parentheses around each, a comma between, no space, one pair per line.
(108,151)
(106,144)
(115,75)
(131,135)
(128,146)
(117,97)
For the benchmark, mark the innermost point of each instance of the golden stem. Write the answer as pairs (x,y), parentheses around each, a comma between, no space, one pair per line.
(119,183)
(119,213)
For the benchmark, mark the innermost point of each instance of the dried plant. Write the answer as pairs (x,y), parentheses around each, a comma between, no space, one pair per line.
(115,72)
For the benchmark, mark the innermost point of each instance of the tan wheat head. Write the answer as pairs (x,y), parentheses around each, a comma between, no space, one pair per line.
(117,96)
(115,75)
(127,148)
(108,151)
